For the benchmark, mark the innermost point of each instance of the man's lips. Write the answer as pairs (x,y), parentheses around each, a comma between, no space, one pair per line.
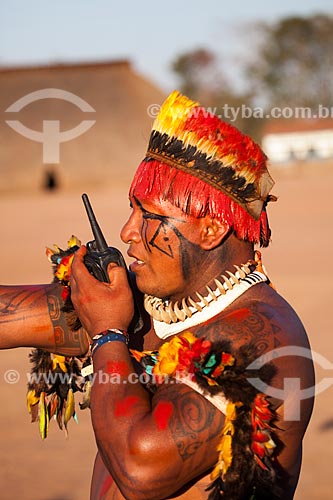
(137,261)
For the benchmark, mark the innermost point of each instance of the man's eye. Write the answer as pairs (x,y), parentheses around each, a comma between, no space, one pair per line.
(151,215)
(146,213)
(147,216)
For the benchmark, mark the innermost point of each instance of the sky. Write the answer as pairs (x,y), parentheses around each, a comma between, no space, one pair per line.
(149,33)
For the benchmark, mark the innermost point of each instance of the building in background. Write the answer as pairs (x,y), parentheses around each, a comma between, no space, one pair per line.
(72,126)
(292,140)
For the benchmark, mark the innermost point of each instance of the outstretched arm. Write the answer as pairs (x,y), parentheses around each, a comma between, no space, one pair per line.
(31,316)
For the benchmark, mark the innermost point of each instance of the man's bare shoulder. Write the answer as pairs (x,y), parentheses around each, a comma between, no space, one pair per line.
(261,317)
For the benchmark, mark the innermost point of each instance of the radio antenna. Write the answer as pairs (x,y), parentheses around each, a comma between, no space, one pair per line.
(101,243)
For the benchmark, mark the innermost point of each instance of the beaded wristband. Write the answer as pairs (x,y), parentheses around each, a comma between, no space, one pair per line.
(110,330)
(110,335)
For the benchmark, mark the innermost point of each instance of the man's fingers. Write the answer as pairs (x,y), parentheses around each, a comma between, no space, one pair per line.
(117,275)
(80,253)
(79,269)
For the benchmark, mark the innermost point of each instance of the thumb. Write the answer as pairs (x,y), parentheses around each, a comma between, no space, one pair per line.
(117,275)
(80,253)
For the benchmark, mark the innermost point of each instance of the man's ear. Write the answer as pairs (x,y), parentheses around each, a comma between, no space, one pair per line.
(213,231)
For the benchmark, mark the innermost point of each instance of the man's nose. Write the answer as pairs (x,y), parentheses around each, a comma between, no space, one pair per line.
(130,231)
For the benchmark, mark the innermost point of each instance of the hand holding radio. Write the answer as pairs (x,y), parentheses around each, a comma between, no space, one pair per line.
(96,305)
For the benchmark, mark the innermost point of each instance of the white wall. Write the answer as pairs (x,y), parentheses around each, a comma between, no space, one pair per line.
(298,145)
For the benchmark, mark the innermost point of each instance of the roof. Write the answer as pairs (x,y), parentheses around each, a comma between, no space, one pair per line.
(74,66)
(283,126)
(118,99)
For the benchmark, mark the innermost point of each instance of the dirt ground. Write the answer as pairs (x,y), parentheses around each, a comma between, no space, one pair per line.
(299,262)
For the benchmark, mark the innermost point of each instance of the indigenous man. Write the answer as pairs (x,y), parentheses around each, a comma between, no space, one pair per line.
(198,204)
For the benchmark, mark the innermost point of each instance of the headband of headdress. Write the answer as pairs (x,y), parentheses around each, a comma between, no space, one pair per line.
(206,166)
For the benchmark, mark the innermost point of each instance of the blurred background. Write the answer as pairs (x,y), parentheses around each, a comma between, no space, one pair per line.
(80,84)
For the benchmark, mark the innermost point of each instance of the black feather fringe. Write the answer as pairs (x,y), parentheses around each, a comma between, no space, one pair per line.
(212,171)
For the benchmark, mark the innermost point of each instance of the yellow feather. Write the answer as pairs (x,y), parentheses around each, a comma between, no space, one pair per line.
(74,241)
(59,361)
(171,116)
(225,445)
(32,399)
(70,407)
(43,416)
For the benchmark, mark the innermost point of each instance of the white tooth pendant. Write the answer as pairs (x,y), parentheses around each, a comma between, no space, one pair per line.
(211,293)
(220,287)
(233,278)
(165,316)
(180,314)
(227,281)
(246,268)
(172,311)
(194,304)
(169,312)
(187,310)
(241,273)
(202,299)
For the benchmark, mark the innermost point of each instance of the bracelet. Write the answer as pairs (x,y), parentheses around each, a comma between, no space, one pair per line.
(110,330)
(110,335)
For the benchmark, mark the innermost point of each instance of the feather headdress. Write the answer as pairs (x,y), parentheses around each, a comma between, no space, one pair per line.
(204,165)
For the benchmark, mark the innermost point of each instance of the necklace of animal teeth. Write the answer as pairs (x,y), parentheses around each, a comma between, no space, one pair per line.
(173,312)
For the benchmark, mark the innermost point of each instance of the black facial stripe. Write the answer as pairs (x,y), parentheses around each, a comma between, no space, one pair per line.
(151,215)
(190,253)
(161,228)
(144,235)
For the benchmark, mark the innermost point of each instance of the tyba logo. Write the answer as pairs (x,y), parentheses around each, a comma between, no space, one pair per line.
(291,394)
(51,137)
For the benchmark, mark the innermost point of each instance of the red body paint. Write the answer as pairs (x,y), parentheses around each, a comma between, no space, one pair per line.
(162,414)
(239,314)
(106,485)
(118,367)
(124,408)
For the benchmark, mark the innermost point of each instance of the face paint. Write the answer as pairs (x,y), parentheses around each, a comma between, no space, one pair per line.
(163,241)
(160,239)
